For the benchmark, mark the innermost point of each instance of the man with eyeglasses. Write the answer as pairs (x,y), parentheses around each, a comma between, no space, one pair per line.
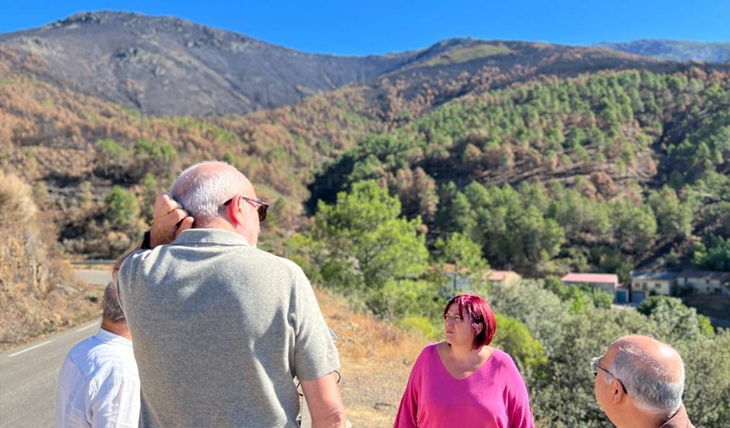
(639,383)
(220,327)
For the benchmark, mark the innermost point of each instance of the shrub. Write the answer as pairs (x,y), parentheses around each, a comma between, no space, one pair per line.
(420,325)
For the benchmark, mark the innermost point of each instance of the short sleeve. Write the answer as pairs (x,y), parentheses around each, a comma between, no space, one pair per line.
(315,354)
(127,275)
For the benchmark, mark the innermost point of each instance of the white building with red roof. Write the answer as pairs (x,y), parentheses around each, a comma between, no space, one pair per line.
(604,281)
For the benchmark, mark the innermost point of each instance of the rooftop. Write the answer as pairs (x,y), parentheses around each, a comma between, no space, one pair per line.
(590,278)
(705,274)
(501,275)
(654,276)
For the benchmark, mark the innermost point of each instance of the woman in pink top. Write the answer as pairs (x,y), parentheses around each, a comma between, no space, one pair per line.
(463,382)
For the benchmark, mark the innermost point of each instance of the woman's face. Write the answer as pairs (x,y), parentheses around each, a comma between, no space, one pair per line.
(457,326)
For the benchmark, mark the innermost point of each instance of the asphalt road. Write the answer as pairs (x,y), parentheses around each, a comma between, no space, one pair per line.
(28,374)
(98,277)
(28,377)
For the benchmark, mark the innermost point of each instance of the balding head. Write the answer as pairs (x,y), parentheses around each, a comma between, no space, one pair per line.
(651,371)
(204,187)
(214,193)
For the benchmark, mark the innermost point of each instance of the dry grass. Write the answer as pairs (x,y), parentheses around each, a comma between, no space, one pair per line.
(15,199)
(25,317)
(38,294)
(376,360)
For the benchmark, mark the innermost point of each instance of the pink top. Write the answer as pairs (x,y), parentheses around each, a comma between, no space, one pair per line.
(493,396)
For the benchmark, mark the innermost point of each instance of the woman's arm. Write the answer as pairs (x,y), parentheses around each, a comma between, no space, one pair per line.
(407,416)
(519,405)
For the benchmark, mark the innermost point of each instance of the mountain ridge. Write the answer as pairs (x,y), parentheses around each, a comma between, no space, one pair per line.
(151,63)
(674,50)
(166,66)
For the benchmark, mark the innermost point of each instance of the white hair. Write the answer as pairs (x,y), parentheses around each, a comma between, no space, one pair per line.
(652,387)
(204,187)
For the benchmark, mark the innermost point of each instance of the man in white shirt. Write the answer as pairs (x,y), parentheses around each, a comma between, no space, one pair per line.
(99,384)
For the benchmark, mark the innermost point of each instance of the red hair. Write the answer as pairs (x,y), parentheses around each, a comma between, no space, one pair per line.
(479,312)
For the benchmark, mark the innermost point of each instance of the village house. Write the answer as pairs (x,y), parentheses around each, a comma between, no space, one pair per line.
(459,281)
(603,281)
(703,282)
(495,278)
(499,278)
(644,283)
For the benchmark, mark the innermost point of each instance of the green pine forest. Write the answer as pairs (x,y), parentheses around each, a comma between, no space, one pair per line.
(598,173)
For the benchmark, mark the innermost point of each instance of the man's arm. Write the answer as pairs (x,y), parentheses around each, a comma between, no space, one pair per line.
(117,404)
(324,402)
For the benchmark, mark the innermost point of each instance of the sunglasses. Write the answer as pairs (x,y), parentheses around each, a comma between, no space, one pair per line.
(595,366)
(262,209)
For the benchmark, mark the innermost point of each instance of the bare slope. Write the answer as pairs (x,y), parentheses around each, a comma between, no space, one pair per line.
(168,66)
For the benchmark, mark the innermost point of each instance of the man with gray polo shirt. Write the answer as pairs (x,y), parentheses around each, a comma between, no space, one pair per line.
(220,327)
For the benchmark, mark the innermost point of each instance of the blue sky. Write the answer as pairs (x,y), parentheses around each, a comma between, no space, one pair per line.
(378,26)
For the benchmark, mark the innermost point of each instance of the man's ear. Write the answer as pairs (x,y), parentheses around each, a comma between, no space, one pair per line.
(234,211)
(617,391)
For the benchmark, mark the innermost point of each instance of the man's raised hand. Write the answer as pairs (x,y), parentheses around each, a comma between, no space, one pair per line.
(168,220)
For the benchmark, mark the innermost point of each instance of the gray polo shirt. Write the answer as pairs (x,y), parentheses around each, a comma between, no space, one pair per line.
(219,329)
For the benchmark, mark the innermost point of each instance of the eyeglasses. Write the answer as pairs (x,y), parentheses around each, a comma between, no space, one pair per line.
(262,209)
(595,366)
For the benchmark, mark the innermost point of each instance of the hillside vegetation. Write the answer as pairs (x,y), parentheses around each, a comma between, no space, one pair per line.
(79,148)
(38,294)
(458,129)
(604,171)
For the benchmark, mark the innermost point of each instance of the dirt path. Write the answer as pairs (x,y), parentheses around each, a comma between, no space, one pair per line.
(376,361)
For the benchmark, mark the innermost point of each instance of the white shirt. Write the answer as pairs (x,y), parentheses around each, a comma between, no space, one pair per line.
(99,384)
